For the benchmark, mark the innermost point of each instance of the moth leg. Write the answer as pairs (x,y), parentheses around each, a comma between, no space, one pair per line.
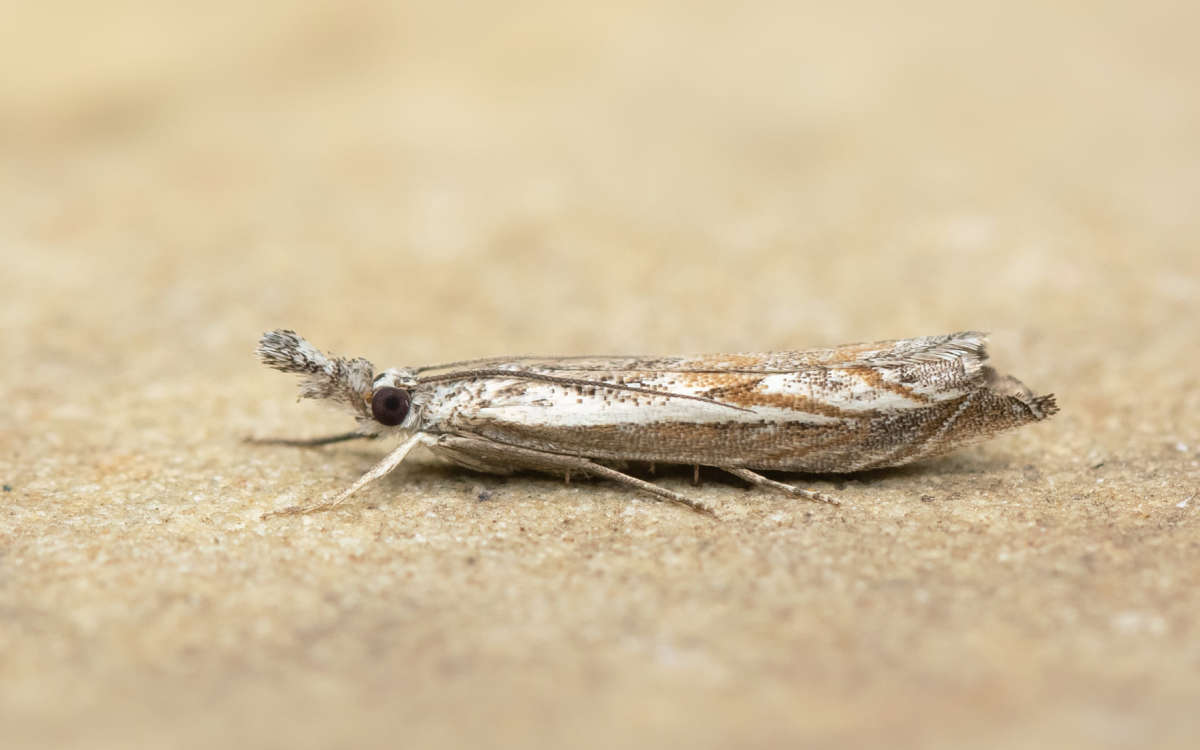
(383,468)
(761,481)
(488,451)
(310,442)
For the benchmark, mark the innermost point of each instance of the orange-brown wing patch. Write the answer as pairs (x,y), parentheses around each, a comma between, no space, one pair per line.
(874,377)
(747,394)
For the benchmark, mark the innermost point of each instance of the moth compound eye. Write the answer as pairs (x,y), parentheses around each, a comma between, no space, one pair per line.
(389,406)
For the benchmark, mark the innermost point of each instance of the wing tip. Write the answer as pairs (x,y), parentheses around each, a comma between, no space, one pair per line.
(969,348)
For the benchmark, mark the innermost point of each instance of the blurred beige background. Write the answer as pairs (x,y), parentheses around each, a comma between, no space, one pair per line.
(432,181)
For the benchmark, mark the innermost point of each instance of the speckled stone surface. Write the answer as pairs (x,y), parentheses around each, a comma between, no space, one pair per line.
(438,182)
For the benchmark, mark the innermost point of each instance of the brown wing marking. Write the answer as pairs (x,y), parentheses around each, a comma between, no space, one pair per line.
(747,394)
(873,377)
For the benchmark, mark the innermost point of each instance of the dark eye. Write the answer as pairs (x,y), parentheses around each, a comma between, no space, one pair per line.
(389,406)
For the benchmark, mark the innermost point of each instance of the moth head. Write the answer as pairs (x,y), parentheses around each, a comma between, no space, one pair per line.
(377,401)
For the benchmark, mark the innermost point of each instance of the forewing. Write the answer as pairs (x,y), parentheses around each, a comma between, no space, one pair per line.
(841,409)
(815,385)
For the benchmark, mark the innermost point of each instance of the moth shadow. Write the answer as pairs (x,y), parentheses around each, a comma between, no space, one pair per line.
(946,466)
(430,471)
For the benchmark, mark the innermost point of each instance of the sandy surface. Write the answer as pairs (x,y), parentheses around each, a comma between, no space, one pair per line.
(443,182)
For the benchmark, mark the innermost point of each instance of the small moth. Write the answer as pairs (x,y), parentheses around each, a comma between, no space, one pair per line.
(839,410)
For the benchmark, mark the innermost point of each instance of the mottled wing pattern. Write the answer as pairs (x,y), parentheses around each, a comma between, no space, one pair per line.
(843,409)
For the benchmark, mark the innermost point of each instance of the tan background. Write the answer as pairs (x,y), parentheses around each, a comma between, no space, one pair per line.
(436,181)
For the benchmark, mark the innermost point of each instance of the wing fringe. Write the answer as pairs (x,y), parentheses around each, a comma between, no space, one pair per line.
(966,347)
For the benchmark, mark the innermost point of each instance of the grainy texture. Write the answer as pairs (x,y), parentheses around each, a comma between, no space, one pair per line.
(433,183)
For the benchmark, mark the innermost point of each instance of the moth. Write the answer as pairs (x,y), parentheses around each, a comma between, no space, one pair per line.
(826,411)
